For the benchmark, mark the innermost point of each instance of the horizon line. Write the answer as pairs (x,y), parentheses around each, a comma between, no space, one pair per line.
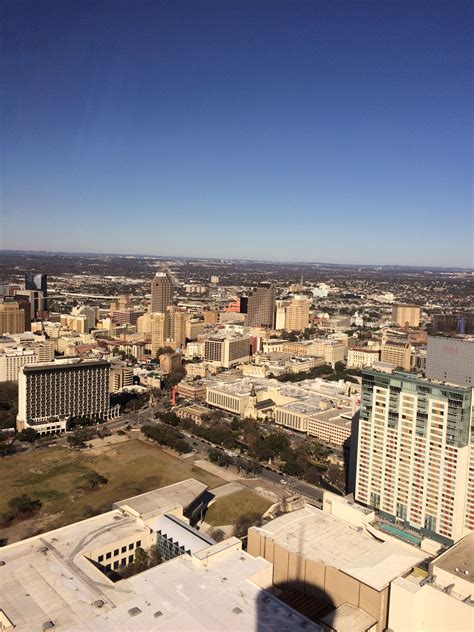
(236,259)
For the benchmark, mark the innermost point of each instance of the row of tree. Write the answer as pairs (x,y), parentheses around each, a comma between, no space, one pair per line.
(168,437)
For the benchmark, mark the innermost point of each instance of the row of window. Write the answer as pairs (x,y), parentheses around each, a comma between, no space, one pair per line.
(116,552)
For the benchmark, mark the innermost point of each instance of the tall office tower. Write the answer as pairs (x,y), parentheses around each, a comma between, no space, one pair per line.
(397,352)
(450,360)
(413,456)
(36,300)
(12,318)
(280,314)
(91,314)
(180,319)
(297,314)
(162,290)
(261,306)
(48,394)
(159,322)
(38,282)
(406,315)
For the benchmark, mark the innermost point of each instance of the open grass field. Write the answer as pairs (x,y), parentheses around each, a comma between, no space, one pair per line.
(228,509)
(56,475)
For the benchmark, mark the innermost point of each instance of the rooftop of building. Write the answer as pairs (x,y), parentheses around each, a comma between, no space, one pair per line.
(72,363)
(348,618)
(324,538)
(159,501)
(459,559)
(194,409)
(391,373)
(335,416)
(47,581)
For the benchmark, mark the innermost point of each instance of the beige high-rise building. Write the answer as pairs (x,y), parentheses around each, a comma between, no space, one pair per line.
(397,353)
(120,376)
(162,290)
(280,314)
(12,318)
(297,314)
(180,320)
(406,315)
(144,324)
(159,327)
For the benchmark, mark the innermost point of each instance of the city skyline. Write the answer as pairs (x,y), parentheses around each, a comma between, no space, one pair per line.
(303,132)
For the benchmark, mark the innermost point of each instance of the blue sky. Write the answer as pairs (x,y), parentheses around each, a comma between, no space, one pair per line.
(318,131)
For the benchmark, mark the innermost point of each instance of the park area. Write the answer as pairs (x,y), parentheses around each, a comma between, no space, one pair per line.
(228,509)
(61,479)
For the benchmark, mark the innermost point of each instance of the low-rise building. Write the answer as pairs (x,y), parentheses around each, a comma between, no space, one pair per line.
(440,599)
(332,562)
(72,578)
(195,412)
(192,390)
(331,426)
(397,352)
(227,351)
(361,357)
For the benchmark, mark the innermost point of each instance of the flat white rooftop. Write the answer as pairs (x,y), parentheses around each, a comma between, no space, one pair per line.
(48,578)
(319,536)
(159,501)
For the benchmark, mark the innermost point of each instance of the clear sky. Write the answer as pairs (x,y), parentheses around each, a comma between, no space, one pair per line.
(319,131)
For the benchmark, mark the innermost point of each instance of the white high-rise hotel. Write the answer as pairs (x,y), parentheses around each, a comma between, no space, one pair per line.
(413,461)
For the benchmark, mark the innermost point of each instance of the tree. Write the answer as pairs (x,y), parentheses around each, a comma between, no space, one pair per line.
(28,435)
(7,448)
(218,535)
(245,521)
(77,440)
(213,455)
(163,351)
(224,460)
(93,480)
(8,404)
(24,504)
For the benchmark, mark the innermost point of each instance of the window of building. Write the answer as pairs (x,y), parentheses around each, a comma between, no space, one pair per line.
(124,548)
(130,547)
(116,552)
(100,558)
(108,555)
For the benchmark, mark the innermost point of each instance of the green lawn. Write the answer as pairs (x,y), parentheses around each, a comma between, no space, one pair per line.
(228,509)
(55,476)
